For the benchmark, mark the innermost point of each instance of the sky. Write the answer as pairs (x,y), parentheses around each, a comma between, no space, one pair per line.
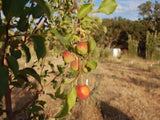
(126,9)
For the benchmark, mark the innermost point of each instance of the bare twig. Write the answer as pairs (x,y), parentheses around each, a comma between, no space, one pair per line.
(76,3)
(51,80)
(38,24)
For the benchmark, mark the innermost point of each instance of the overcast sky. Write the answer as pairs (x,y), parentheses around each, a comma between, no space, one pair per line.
(126,9)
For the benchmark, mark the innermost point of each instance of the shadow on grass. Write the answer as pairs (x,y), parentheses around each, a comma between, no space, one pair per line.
(110,113)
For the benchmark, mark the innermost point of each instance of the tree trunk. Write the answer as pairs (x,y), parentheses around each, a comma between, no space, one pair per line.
(8,104)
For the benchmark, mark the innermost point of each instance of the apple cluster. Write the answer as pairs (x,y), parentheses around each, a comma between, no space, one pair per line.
(81,49)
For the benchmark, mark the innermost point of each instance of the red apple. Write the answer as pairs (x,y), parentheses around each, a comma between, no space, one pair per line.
(74,65)
(82,91)
(82,48)
(67,57)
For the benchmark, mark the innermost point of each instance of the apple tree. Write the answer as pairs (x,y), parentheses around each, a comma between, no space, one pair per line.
(27,25)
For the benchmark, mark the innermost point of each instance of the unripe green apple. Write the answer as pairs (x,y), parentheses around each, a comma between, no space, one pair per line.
(82,48)
(74,65)
(67,57)
(82,92)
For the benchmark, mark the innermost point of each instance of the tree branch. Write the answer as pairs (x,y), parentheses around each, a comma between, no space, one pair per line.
(38,24)
(76,3)
(51,80)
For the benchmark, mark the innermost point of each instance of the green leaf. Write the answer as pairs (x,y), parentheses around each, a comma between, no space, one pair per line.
(71,98)
(45,7)
(27,53)
(13,8)
(39,45)
(51,66)
(85,70)
(92,44)
(23,24)
(44,73)
(55,84)
(91,65)
(84,10)
(35,109)
(68,80)
(60,69)
(64,111)
(73,72)
(107,6)
(60,92)
(69,37)
(69,103)
(15,53)
(31,72)
(51,95)
(37,11)
(62,39)
(41,103)
(13,64)
(104,29)
(3,81)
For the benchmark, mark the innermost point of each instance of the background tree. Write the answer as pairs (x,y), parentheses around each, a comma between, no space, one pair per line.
(150,13)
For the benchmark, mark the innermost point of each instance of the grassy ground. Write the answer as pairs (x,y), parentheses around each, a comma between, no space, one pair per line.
(121,89)
(123,92)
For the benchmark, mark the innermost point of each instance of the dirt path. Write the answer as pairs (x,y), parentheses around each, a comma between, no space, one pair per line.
(127,93)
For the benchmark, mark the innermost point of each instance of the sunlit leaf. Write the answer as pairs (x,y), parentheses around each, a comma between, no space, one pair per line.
(107,6)
(69,103)
(92,44)
(92,65)
(4,75)
(84,10)
(105,29)
(68,81)
(44,73)
(71,98)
